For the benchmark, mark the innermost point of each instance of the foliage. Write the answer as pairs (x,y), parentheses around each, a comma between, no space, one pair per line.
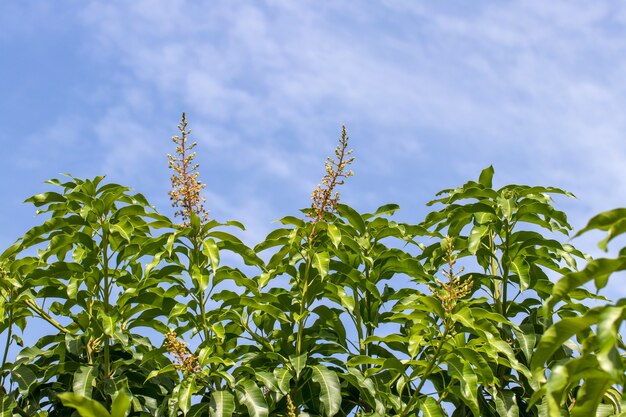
(479,309)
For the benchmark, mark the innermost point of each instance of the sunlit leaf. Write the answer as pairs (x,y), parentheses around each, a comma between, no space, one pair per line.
(250,395)
(86,407)
(222,404)
(84,380)
(330,389)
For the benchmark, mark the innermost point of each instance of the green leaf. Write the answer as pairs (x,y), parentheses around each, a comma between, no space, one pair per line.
(522,269)
(24,377)
(222,404)
(7,405)
(210,249)
(353,217)
(200,278)
(598,270)
(236,223)
(321,261)
(84,380)
(526,339)
(283,378)
(608,338)
(268,379)
(156,372)
(507,205)
(462,371)
(218,328)
(486,177)
(45,198)
(293,221)
(330,389)
(589,397)
(506,406)
(107,322)
(120,406)
(187,389)
(604,221)
(249,394)
(194,223)
(430,408)
(298,363)
(387,209)
(335,234)
(475,237)
(200,410)
(86,407)
(124,228)
(557,334)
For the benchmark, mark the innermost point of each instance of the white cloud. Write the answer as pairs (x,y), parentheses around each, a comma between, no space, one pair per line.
(431,93)
(536,86)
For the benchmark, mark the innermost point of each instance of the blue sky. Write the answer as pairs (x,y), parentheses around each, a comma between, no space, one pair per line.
(431,93)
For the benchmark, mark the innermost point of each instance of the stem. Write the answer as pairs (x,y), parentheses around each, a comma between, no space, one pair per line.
(20,411)
(494,273)
(201,302)
(6,346)
(369,329)
(501,371)
(105,273)
(505,268)
(256,337)
(201,297)
(358,321)
(42,314)
(305,287)
(429,369)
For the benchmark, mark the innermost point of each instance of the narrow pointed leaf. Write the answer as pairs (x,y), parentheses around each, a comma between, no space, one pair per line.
(210,249)
(506,406)
(283,377)
(330,389)
(475,237)
(298,363)
(430,408)
(86,407)
(486,177)
(84,380)
(335,234)
(222,404)
(251,396)
(352,216)
(120,406)
(187,389)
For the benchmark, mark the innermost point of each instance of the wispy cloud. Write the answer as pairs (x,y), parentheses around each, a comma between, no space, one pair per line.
(431,93)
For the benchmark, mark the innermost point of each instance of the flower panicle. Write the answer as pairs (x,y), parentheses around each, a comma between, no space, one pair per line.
(453,290)
(185,360)
(325,198)
(291,408)
(186,187)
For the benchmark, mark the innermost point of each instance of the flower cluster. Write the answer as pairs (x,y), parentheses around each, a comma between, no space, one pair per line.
(291,408)
(186,361)
(186,187)
(325,198)
(453,290)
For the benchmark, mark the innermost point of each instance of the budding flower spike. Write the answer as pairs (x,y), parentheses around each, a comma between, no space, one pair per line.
(186,187)
(185,360)
(325,198)
(453,290)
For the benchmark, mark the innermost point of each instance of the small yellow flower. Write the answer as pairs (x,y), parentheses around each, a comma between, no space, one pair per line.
(453,290)
(186,187)
(291,408)
(325,198)
(185,360)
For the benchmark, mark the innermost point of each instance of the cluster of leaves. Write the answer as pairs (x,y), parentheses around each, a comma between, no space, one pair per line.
(349,314)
